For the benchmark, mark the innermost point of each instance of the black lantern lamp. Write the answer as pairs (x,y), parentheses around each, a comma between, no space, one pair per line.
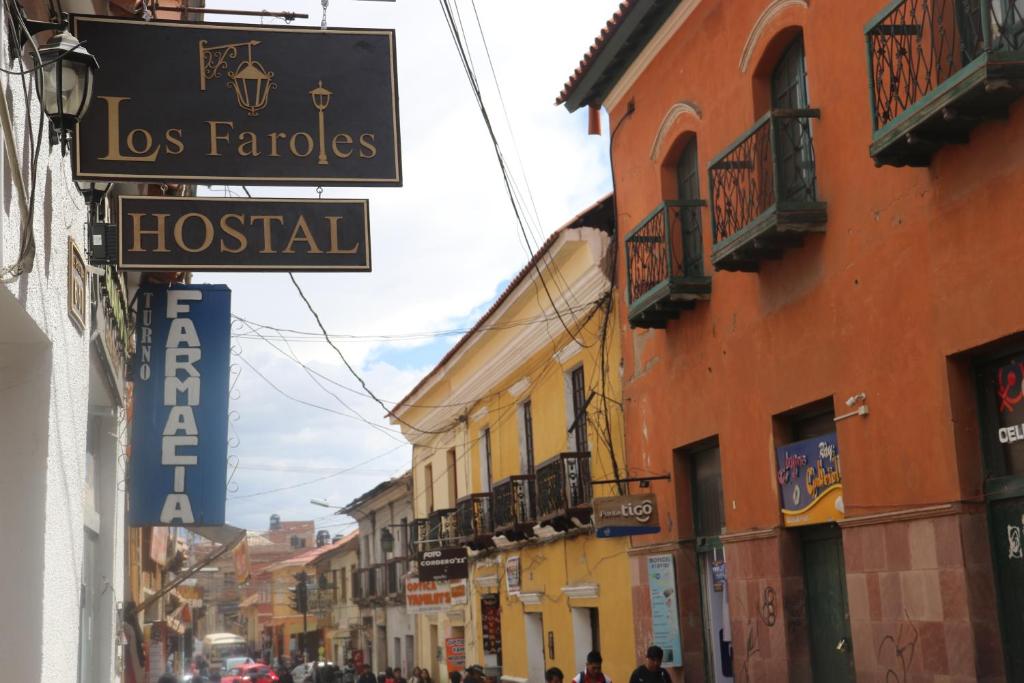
(387,541)
(64,84)
(94,191)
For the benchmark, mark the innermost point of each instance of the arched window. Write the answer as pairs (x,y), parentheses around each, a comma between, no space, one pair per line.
(688,186)
(794,153)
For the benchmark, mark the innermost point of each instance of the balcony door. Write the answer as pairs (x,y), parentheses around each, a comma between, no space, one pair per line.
(688,180)
(794,155)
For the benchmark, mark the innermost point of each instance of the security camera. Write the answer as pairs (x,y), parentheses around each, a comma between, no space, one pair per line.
(852,401)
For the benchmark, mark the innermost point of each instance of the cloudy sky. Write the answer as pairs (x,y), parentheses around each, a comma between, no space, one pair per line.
(444,246)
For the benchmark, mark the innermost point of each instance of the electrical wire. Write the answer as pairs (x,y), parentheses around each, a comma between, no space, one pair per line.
(461,48)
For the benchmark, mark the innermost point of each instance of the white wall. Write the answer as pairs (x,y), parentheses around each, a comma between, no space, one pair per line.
(44,398)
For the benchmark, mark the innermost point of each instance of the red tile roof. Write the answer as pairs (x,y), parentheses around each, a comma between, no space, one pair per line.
(607,32)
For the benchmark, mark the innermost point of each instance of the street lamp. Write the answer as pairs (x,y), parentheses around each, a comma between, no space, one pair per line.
(387,541)
(321,98)
(64,85)
(94,191)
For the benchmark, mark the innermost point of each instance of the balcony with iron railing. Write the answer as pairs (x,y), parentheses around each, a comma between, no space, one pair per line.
(395,570)
(938,68)
(764,195)
(363,586)
(475,522)
(515,507)
(564,491)
(444,529)
(419,530)
(665,264)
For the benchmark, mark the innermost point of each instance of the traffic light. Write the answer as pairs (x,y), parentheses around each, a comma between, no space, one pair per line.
(299,595)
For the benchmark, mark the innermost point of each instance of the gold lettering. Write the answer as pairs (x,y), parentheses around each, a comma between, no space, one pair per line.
(345,139)
(248,146)
(179,228)
(267,222)
(159,231)
(173,137)
(114,132)
(215,136)
(334,238)
(273,142)
(309,144)
(367,150)
(234,233)
(132,147)
(307,237)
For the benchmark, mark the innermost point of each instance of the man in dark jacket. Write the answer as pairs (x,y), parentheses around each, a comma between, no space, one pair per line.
(651,671)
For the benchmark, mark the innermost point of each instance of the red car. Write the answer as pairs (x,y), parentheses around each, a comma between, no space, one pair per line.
(250,673)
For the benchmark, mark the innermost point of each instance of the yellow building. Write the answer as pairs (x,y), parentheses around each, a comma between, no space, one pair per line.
(287,623)
(508,432)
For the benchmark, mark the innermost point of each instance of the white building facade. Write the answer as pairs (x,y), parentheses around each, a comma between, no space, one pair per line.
(62,416)
(386,630)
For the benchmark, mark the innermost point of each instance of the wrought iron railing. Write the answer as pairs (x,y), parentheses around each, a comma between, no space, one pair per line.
(563,485)
(771,164)
(915,45)
(419,531)
(474,516)
(444,528)
(667,243)
(514,503)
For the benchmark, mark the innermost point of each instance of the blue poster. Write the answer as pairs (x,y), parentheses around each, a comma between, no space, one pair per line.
(661,575)
(177,473)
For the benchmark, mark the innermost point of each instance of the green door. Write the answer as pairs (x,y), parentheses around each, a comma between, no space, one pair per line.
(1006,518)
(828,615)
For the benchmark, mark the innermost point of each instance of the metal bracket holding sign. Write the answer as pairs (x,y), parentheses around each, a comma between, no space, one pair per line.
(238,103)
(256,234)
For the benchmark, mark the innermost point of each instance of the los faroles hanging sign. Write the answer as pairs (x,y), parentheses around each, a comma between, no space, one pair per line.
(235,103)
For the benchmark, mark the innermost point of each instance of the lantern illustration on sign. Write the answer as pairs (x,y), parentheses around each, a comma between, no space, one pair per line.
(251,82)
(321,99)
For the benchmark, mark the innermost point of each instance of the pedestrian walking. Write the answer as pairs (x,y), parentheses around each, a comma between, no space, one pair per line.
(593,673)
(454,677)
(398,677)
(366,676)
(554,675)
(651,671)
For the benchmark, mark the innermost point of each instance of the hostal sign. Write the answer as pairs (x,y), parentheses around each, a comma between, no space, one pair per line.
(238,103)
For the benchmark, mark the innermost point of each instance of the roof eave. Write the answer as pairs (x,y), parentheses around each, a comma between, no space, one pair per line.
(619,51)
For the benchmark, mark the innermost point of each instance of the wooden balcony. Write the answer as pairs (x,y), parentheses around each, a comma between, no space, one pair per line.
(475,521)
(665,264)
(564,492)
(515,511)
(937,69)
(764,192)
(395,570)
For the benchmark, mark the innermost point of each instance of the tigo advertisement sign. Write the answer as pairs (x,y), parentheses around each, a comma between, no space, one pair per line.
(178,468)
(626,515)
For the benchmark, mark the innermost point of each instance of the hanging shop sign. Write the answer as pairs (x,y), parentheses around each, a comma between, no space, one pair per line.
(490,618)
(455,653)
(257,234)
(431,597)
(626,516)
(178,468)
(443,564)
(77,285)
(513,582)
(661,577)
(235,103)
(243,567)
(810,483)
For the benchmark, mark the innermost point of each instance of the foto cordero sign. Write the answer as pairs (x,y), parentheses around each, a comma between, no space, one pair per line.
(178,466)
(236,103)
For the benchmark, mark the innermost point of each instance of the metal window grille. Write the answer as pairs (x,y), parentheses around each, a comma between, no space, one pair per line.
(579,399)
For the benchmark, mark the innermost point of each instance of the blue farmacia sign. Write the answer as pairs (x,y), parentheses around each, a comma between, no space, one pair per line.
(178,465)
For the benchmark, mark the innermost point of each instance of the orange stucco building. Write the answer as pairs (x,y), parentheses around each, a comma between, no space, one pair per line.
(819,234)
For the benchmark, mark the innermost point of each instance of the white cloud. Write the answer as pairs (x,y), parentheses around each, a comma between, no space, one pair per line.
(441,244)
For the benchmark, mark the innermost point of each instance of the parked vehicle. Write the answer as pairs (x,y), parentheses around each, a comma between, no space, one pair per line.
(220,647)
(250,673)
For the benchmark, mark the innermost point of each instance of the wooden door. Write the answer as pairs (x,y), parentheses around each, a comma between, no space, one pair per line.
(828,615)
